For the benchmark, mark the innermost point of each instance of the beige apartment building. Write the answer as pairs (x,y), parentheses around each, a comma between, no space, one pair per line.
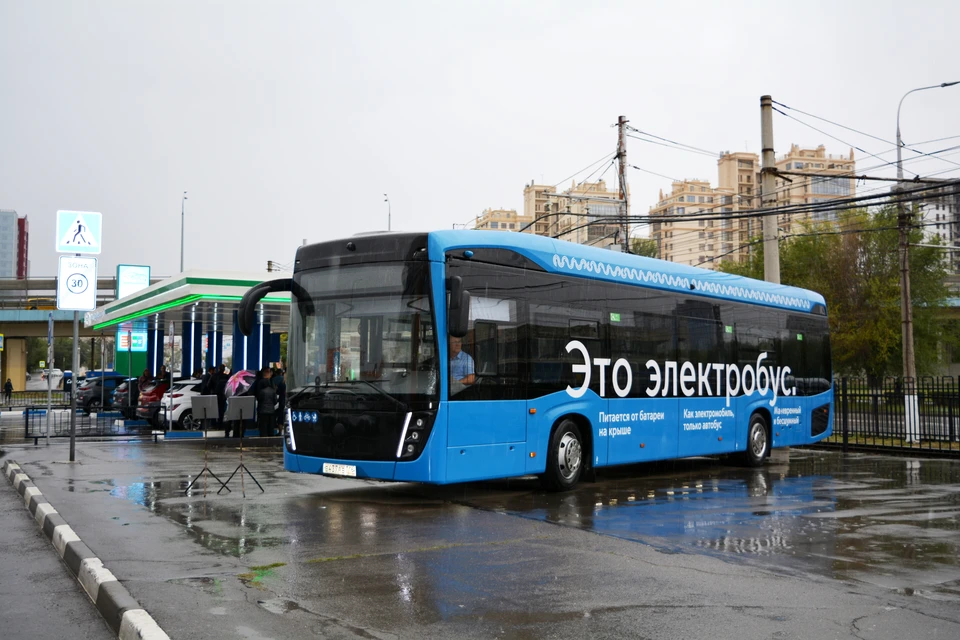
(707,243)
(536,204)
(501,220)
(838,181)
(573,214)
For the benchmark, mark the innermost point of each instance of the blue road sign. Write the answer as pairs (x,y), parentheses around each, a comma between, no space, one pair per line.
(79,232)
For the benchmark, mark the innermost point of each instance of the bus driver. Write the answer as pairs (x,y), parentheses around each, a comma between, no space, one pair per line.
(461,364)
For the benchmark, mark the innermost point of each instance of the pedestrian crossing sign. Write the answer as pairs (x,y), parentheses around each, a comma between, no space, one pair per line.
(78,232)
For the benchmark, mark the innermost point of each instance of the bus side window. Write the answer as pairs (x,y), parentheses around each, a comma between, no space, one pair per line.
(485,350)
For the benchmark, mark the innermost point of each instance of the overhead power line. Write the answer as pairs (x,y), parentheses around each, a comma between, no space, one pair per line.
(589,166)
(849,144)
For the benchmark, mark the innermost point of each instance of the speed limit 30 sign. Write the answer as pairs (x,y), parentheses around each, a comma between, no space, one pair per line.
(77,284)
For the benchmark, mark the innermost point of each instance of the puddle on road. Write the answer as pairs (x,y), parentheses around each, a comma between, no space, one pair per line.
(887,521)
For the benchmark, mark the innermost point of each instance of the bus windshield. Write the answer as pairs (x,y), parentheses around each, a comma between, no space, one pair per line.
(365,325)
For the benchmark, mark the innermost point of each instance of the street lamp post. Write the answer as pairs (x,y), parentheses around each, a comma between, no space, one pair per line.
(387,200)
(182,200)
(911,409)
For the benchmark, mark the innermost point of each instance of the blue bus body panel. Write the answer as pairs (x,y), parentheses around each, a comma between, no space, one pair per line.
(707,426)
(485,462)
(639,429)
(486,422)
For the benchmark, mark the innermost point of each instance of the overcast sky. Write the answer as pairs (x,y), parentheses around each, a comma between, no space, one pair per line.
(289,120)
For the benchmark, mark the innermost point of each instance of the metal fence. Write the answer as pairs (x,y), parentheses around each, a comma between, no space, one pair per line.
(18,399)
(873,414)
(110,423)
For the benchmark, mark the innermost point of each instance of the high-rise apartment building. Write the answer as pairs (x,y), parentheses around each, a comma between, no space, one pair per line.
(14,237)
(835,178)
(536,204)
(501,220)
(578,214)
(939,218)
(706,243)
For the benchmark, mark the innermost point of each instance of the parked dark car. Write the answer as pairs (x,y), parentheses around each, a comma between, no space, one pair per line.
(92,391)
(126,403)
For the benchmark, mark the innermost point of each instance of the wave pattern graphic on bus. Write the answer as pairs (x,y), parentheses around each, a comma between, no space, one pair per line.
(643,275)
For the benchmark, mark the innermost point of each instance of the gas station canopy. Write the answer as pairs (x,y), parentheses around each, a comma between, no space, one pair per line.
(198,304)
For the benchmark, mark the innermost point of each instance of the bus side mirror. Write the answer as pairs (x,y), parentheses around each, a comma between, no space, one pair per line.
(458,316)
(248,305)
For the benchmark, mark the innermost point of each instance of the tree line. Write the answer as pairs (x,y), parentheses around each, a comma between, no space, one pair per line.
(854,262)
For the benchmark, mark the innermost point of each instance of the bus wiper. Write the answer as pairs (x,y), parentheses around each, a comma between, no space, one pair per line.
(383,393)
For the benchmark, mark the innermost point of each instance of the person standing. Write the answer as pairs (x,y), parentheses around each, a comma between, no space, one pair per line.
(266,399)
(280,384)
(219,388)
(8,391)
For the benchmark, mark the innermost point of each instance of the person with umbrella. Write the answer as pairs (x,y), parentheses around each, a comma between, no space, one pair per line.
(239,384)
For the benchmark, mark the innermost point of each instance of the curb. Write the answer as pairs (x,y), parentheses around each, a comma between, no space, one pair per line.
(124,614)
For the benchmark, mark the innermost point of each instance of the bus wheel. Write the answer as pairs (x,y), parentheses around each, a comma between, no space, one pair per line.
(758,442)
(564,457)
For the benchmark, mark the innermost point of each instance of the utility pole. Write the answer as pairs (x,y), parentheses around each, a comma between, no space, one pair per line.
(911,409)
(386,199)
(768,199)
(622,158)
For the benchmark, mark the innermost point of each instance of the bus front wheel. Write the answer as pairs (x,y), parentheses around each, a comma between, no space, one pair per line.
(564,457)
(758,442)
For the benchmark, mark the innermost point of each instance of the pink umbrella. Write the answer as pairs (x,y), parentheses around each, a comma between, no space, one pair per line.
(240,382)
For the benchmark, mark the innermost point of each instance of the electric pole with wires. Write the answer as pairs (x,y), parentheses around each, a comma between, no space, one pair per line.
(622,159)
(768,196)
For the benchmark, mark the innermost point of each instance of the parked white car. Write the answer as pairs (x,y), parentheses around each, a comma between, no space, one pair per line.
(182,414)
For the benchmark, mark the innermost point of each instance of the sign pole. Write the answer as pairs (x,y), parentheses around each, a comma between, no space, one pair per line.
(172,328)
(73,385)
(103,371)
(49,371)
(130,371)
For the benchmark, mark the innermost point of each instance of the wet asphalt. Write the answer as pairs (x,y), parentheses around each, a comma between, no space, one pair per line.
(814,545)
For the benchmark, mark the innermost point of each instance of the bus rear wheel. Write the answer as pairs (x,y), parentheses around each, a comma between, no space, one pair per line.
(564,457)
(758,442)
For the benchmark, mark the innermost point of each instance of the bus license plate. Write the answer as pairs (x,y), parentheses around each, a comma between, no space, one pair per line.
(340,469)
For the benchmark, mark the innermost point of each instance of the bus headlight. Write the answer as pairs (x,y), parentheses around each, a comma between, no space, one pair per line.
(289,438)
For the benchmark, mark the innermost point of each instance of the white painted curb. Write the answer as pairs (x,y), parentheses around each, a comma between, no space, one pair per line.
(92,575)
(138,625)
(62,536)
(28,493)
(44,510)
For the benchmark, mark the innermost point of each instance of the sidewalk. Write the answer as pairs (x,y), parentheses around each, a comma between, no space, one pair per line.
(40,597)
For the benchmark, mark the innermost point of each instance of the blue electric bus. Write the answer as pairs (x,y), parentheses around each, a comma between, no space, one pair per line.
(568,358)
